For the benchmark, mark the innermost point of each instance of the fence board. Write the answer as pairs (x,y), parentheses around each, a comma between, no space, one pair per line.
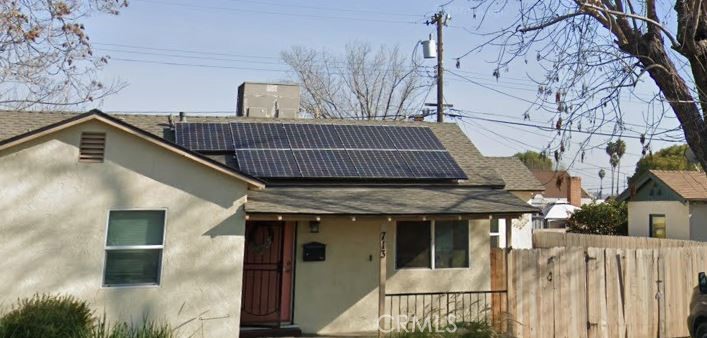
(545,294)
(596,294)
(602,293)
(559,293)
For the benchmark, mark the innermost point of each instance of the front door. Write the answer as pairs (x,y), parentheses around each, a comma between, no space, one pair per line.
(267,273)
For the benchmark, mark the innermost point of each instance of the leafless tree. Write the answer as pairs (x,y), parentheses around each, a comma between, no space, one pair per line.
(596,52)
(363,84)
(46,59)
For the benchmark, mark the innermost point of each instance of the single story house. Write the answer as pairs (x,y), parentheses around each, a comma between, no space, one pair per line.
(222,226)
(668,204)
(563,195)
(520,182)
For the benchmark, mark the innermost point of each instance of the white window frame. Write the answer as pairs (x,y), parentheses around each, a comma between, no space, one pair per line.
(134,247)
(496,234)
(432,248)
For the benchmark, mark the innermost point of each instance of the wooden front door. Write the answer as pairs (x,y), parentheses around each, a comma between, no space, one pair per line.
(267,273)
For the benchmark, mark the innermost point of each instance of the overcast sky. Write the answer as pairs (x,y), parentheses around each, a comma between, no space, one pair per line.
(191,55)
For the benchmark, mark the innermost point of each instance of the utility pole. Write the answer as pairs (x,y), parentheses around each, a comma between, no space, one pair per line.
(440,19)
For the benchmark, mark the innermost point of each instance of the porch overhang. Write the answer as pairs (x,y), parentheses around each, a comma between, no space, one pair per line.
(395,202)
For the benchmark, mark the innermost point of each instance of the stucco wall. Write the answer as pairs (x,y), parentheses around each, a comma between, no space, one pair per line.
(340,295)
(53,214)
(676,218)
(698,221)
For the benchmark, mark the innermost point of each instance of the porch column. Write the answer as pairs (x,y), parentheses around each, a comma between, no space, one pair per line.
(382,276)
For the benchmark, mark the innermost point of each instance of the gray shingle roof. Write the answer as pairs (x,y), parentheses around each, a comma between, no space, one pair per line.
(516,175)
(479,169)
(480,194)
(384,201)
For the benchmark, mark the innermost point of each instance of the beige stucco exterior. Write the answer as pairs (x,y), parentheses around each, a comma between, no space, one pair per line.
(676,217)
(340,295)
(698,221)
(53,214)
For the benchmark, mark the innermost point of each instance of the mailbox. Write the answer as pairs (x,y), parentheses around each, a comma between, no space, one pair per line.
(313,252)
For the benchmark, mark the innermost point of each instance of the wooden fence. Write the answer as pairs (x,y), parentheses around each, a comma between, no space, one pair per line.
(547,239)
(598,292)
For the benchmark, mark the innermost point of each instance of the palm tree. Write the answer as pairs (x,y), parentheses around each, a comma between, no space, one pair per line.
(614,161)
(620,150)
(602,173)
(610,150)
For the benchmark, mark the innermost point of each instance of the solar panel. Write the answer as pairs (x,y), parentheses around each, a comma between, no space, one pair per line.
(325,163)
(364,137)
(268,163)
(379,164)
(312,136)
(259,136)
(433,164)
(292,150)
(413,138)
(204,136)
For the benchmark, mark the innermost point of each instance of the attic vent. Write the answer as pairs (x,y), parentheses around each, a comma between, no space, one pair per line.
(93,147)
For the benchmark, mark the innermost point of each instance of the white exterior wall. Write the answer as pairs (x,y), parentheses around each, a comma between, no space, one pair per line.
(676,218)
(53,216)
(339,296)
(698,221)
(521,232)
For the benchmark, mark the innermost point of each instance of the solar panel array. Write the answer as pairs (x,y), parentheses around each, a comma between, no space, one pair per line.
(282,150)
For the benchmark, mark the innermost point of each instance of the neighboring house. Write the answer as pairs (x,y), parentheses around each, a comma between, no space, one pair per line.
(521,183)
(243,222)
(563,195)
(668,204)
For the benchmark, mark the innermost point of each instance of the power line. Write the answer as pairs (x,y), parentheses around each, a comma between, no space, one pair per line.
(197,65)
(187,56)
(240,10)
(490,88)
(184,51)
(545,128)
(336,9)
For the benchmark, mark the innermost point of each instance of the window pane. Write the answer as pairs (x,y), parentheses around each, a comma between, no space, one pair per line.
(135,227)
(494,225)
(657,226)
(413,244)
(451,244)
(132,267)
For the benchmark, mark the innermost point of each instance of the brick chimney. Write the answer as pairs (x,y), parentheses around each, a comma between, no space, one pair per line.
(574,191)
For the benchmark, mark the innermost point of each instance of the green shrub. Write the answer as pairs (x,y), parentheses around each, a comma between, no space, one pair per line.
(477,329)
(148,329)
(48,317)
(608,218)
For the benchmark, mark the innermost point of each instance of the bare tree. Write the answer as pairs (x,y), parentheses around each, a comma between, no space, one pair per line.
(595,52)
(46,59)
(363,84)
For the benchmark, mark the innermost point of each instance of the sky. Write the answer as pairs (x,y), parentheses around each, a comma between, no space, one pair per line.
(191,55)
